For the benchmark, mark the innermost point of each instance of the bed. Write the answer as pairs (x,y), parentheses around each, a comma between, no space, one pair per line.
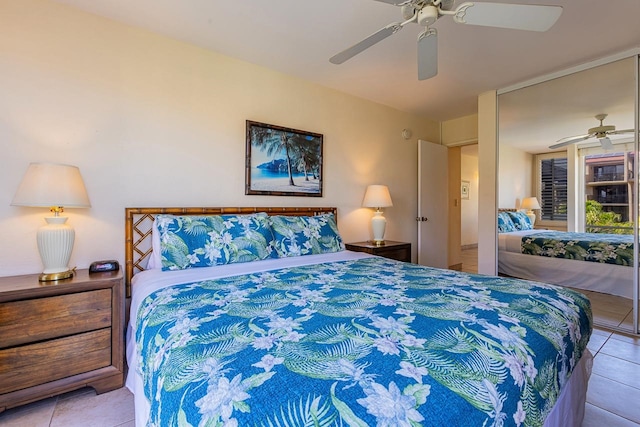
(589,261)
(316,335)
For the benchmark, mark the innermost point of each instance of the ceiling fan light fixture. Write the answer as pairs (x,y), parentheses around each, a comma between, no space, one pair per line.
(602,130)
(428,15)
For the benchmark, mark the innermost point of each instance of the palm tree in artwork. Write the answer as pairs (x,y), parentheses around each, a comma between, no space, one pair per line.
(301,152)
(274,142)
(307,157)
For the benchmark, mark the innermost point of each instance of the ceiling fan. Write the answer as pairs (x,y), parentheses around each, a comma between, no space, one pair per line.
(600,132)
(427,12)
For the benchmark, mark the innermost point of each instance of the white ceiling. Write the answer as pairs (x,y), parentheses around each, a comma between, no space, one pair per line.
(297,37)
(534,117)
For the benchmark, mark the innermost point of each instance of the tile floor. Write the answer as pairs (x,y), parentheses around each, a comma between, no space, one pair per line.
(80,408)
(612,399)
(611,311)
(470,260)
(614,387)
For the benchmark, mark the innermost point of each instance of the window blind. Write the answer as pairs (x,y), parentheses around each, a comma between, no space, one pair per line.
(553,189)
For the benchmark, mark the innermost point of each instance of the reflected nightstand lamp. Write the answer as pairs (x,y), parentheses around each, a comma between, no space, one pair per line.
(377,196)
(530,203)
(56,187)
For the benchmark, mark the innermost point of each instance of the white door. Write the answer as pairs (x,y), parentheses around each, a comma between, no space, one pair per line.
(433,223)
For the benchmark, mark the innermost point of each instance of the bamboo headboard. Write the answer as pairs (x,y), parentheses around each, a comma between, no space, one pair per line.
(139,224)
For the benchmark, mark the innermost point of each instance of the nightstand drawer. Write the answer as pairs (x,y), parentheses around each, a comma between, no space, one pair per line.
(397,254)
(29,365)
(37,319)
(399,251)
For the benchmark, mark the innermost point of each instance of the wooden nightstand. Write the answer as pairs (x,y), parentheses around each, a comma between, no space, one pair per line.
(395,250)
(60,336)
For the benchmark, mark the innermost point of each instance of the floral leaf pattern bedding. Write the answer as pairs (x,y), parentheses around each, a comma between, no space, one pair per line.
(595,247)
(192,241)
(368,342)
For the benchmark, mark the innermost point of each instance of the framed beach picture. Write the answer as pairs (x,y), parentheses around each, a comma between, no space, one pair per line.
(282,161)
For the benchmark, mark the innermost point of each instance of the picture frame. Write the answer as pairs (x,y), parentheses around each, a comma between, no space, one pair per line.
(282,161)
(464,189)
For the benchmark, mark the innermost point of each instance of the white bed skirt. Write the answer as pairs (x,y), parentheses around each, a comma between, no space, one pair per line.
(569,409)
(591,276)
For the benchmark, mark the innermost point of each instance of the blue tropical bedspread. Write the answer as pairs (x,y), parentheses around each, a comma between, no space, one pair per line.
(368,342)
(595,247)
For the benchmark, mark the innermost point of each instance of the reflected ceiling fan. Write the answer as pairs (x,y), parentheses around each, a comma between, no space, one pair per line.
(426,12)
(600,132)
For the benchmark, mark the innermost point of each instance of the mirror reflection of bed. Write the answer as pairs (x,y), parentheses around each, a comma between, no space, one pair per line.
(587,176)
(609,310)
(596,264)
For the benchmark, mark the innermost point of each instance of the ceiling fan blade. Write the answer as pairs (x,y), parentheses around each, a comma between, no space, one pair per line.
(570,140)
(427,54)
(503,15)
(395,2)
(606,143)
(618,132)
(366,43)
(576,138)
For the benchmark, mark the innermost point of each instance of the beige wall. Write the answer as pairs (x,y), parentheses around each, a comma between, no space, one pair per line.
(487,185)
(460,131)
(151,121)
(515,176)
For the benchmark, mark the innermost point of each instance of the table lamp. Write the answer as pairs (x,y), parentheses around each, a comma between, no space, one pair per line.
(530,203)
(57,187)
(377,196)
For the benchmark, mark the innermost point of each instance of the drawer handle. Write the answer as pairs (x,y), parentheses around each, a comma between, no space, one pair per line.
(422,219)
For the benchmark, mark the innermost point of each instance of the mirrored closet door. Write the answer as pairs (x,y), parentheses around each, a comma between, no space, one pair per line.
(568,186)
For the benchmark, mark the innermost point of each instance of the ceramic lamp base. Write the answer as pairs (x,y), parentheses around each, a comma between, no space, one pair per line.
(378,225)
(55,243)
(532,217)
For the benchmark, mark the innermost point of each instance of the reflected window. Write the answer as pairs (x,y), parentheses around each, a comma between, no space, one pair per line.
(608,186)
(553,188)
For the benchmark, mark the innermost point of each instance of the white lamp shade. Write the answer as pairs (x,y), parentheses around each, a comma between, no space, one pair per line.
(530,203)
(54,186)
(49,184)
(377,196)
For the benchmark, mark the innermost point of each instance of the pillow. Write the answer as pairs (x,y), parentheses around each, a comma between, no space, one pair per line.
(521,220)
(203,241)
(505,224)
(305,235)
(155,258)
